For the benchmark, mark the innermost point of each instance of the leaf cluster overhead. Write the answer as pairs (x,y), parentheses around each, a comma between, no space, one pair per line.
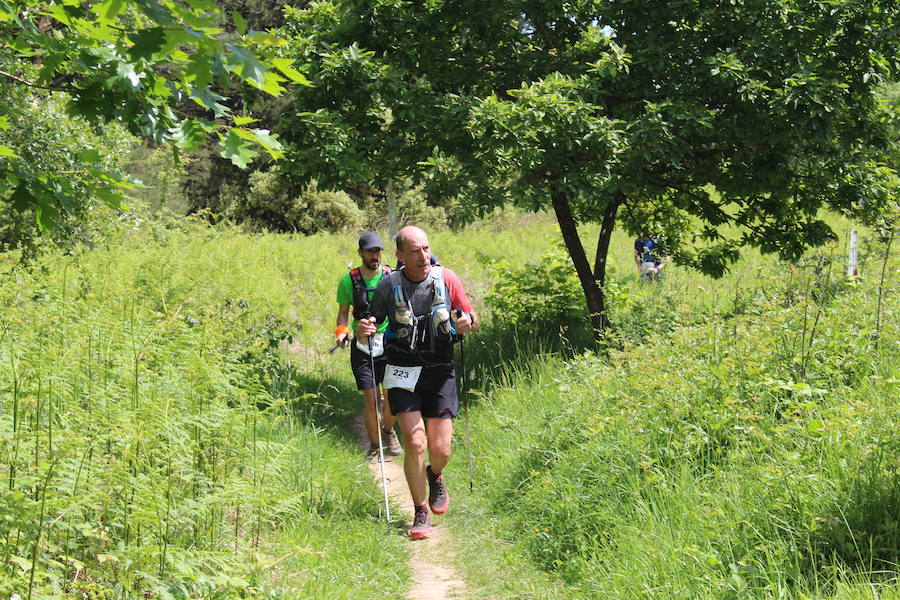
(137,62)
(699,117)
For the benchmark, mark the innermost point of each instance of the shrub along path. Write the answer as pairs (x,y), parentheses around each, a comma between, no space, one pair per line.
(433,575)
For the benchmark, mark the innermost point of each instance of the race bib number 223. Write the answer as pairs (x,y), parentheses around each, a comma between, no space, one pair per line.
(401,377)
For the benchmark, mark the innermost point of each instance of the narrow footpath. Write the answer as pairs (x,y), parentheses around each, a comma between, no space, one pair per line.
(434,578)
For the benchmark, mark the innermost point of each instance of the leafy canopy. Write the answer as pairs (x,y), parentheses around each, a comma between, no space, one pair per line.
(718,124)
(143,63)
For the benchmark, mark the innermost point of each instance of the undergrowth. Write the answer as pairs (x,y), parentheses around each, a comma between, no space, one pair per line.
(145,449)
(749,452)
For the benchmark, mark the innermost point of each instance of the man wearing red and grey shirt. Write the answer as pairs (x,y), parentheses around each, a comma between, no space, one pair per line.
(420,377)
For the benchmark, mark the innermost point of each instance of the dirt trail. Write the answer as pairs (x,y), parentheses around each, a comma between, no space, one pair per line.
(433,576)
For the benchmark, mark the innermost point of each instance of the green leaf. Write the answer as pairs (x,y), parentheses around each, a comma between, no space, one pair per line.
(265,38)
(268,141)
(22,199)
(200,70)
(209,99)
(111,198)
(89,156)
(128,74)
(244,63)
(285,66)
(146,42)
(46,213)
(237,150)
(239,22)
(239,121)
(49,67)
(190,134)
(108,11)
(156,11)
(272,83)
(263,138)
(6,152)
(4,123)
(59,13)
(195,21)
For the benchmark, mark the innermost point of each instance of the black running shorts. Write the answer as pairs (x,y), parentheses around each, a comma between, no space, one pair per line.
(362,369)
(435,395)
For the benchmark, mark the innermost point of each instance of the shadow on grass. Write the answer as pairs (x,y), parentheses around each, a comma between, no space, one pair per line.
(318,397)
(864,533)
(495,353)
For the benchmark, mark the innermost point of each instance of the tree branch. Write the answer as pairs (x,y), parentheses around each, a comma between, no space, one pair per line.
(22,81)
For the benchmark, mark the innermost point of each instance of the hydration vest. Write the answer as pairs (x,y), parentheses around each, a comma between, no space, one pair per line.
(361,292)
(435,329)
(649,246)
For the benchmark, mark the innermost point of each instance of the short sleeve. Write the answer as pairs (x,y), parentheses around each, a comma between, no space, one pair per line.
(458,298)
(345,291)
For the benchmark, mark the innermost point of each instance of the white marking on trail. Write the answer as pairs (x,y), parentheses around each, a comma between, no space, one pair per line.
(434,577)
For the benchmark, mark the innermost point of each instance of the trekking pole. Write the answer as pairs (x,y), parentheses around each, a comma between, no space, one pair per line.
(387,506)
(462,369)
(342,345)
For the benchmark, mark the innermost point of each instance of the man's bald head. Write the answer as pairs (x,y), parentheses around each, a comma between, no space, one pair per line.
(408,233)
(414,251)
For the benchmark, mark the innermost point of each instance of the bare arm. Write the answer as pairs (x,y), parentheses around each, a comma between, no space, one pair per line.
(342,322)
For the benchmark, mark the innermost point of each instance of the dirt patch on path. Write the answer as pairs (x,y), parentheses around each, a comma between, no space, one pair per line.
(434,577)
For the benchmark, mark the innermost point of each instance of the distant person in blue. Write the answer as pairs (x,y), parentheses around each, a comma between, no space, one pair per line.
(646,256)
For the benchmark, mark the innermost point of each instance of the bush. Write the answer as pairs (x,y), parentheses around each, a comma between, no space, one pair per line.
(412,209)
(142,377)
(273,205)
(48,143)
(546,296)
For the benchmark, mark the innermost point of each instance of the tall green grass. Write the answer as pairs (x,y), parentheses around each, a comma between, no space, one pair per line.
(172,426)
(748,451)
(145,449)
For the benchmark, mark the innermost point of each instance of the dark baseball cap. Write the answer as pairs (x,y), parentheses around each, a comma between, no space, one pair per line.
(370,240)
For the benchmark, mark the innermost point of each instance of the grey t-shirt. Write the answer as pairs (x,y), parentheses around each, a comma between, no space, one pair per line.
(419,298)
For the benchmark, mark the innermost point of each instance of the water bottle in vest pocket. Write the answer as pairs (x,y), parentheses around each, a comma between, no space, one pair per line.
(444,328)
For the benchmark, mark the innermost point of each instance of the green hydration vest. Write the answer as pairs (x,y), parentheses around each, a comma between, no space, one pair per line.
(429,336)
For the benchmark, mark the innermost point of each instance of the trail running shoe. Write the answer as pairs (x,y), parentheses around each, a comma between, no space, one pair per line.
(372,453)
(391,443)
(438,498)
(421,527)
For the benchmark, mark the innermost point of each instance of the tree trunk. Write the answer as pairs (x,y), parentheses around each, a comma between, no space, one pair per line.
(593,293)
(390,192)
(606,230)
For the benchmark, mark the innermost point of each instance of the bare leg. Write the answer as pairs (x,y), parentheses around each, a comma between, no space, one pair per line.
(369,415)
(440,433)
(387,418)
(414,436)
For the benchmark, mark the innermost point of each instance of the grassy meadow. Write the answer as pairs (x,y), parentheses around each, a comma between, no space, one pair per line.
(173,426)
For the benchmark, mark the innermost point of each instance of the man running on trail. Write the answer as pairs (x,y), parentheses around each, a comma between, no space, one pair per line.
(645,256)
(418,302)
(356,289)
